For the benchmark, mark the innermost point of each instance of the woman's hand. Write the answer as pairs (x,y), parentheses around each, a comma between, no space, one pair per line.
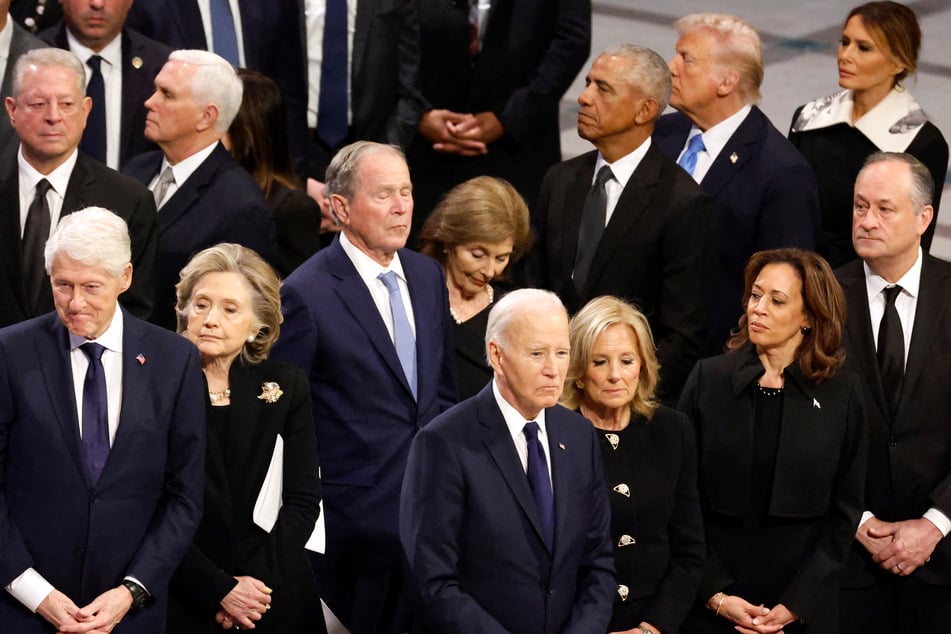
(778,617)
(738,610)
(246,603)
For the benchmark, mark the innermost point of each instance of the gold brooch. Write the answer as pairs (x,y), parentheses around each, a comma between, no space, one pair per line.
(270,392)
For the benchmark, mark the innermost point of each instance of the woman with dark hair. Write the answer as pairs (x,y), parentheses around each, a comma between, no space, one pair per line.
(878,52)
(782,445)
(257,139)
(476,232)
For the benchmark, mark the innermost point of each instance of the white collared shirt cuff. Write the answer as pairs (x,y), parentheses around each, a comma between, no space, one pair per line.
(939,519)
(30,589)
(141,585)
(866,516)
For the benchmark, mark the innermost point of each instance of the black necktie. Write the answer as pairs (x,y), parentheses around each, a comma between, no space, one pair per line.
(93,142)
(593,217)
(891,350)
(332,104)
(95,412)
(539,482)
(36,232)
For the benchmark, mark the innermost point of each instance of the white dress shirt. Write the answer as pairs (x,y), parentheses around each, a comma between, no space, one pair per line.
(58,180)
(314,13)
(516,424)
(181,170)
(204,7)
(622,169)
(111,69)
(714,141)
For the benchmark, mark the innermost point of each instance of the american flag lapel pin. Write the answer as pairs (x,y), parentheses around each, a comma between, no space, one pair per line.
(140,358)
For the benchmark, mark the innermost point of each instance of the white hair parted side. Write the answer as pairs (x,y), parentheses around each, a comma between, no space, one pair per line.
(215,82)
(94,236)
(47,58)
(507,309)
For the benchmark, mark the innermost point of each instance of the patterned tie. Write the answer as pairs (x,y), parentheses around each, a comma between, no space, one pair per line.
(223,31)
(95,412)
(36,232)
(403,337)
(593,216)
(891,350)
(689,159)
(93,142)
(539,482)
(332,105)
(161,187)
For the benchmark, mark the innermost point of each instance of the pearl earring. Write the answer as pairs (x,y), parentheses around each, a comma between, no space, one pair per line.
(250,338)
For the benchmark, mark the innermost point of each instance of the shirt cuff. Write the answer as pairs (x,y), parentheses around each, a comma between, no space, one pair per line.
(141,585)
(939,519)
(30,589)
(866,516)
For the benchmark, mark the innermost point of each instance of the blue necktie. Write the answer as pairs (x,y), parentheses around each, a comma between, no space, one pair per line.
(95,412)
(93,142)
(539,482)
(689,159)
(402,332)
(332,105)
(223,31)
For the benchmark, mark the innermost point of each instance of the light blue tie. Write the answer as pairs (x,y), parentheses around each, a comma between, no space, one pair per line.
(402,332)
(223,32)
(689,160)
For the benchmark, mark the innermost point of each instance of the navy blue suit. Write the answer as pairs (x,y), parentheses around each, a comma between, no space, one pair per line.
(472,535)
(364,411)
(765,195)
(219,202)
(139,518)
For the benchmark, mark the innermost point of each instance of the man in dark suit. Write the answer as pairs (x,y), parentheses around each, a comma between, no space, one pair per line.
(102,476)
(203,196)
(504,514)
(128,63)
(898,337)
(368,320)
(763,190)
(493,80)
(263,36)
(15,40)
(642,230)
(48,178)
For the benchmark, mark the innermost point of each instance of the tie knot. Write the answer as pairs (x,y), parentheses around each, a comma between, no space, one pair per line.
(168,176)
(531,431)
(42,187)
(604,175)
(94,62)
(92,350)
(891,292)
(389,280)
(696,144)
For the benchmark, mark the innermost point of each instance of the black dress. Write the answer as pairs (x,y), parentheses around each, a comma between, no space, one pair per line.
(473,371)
(296,226)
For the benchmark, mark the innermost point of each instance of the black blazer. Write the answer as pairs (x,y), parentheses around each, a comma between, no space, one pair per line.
(297,227)
(658,251)
(817,482)
(90,184)
(228,543)
(910,455)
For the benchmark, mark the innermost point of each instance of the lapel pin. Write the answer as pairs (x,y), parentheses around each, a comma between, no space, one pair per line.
(614,439)
(561,446)
(140,358)
(137,62)
(815,404)
(734,158)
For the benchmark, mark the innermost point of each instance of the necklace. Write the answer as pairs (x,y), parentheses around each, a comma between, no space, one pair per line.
(768,391)
(217,397)
(455,315)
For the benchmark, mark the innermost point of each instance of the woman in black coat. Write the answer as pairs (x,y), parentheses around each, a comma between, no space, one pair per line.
(782,446)
(875,112)
(247,564)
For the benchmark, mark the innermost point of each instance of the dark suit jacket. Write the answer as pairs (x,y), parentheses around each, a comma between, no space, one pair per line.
(219,202)
(531,52)
(471,532)
(817,482)
(272,44)
(142,59)
(22,42)
(297,227)
(139,518)
(91,184)
(765,198)
(657,251)
(227,542)
(910,455)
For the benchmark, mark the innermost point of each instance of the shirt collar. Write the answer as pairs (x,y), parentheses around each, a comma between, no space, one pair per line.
(624,167)
(187,166)
(368,268)
(910,282)
(6,39)
(716,138)
(111,339)
(58,178)
(513,419)
(111,53)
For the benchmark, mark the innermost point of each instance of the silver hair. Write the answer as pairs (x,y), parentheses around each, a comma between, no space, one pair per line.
(739,48)
(648,72)
(507,309)
(48,58)
(94,236)
(215,82)
(922,183)
(344,168)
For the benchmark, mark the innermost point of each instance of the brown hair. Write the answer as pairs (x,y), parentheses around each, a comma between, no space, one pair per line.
(583,330)
(895,28)
(820,353)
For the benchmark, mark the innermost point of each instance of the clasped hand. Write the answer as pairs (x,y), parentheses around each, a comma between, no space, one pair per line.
(459,133)
(899,547)
(246,603)
(753,619)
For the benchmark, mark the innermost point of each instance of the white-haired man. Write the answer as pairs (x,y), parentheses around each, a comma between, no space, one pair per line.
(203,196)
(764,191)
(101,447)
(504,515)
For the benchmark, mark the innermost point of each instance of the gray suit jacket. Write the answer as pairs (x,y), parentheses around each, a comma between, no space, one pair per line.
(22,42)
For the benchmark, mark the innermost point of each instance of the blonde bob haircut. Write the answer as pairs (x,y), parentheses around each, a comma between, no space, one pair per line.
(584,329)
(265,292)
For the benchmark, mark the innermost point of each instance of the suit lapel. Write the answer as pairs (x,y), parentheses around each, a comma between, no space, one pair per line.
(558,448)
(423,305)
(10,234)
(735,154)
(858,330)
(136,393)
(568,221)
(135,81)
(187,19)
(189,192)
(79,182)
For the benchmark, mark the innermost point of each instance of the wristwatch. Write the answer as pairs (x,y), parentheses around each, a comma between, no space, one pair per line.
(139,595)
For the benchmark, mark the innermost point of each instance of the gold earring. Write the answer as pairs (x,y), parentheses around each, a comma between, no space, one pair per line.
(579,384)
